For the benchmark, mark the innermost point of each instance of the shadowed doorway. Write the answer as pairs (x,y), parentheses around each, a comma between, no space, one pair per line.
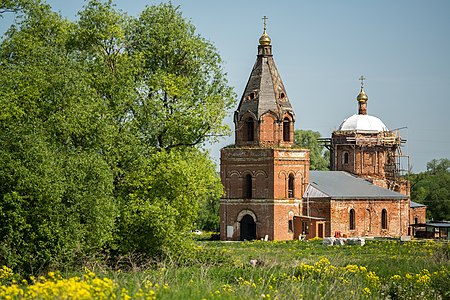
(248,228)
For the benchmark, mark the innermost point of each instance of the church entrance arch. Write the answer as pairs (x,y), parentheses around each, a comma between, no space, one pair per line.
(248,228)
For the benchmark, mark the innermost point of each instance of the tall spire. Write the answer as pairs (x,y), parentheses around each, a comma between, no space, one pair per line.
(264,98)
(362,98)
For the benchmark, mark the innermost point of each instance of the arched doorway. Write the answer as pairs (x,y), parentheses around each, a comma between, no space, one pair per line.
(248,228)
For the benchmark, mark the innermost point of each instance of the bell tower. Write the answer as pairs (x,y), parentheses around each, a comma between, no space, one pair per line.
(264,176)
(264,116)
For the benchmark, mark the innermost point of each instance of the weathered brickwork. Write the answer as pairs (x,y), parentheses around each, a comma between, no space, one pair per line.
(232,212)
(272,217)
(271,200)
(368,216)
(369,155)
(267,132)
(418,215)
(263,176)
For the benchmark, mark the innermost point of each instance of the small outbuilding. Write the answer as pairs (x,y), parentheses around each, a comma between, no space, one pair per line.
(432,230)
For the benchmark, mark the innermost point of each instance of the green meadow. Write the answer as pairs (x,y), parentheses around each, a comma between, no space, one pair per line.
(282,270)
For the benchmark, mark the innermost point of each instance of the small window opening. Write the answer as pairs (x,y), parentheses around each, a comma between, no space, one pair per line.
(345,158)
(248,186)
(384,219)
(250,130)
(286,130)
(291,186)
(352,219)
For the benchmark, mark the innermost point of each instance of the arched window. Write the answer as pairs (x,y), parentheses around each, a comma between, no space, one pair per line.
(345,158)
(286,130)
(250,129)
(384,219)
(352,219)
(248,187)
(291,186)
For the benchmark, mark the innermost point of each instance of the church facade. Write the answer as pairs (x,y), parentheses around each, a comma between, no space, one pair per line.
(270,192)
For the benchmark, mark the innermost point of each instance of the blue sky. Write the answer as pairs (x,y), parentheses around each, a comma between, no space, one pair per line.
(322,47)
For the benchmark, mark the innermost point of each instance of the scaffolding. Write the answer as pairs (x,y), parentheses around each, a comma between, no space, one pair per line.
(396,167)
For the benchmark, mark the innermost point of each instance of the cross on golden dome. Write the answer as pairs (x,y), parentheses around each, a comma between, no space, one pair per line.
(362,97)
(362,78)
(264,39)
(265,24)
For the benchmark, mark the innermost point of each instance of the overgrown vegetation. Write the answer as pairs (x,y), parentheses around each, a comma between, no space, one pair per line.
(102,123)
(432,188)
(287,270)
(319,156)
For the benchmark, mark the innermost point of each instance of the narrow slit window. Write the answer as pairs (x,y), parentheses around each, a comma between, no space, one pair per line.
(248,186)
(286,130)
(250,130)
(352,219)
(291,186)
(345,158)
(384,219)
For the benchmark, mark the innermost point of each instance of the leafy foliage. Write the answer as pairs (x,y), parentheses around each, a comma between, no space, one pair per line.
(433,188)
(182,92)
(101,127)
(319,156)
(164,200)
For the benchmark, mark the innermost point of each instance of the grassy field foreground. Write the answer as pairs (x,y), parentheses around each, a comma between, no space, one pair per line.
(284,270)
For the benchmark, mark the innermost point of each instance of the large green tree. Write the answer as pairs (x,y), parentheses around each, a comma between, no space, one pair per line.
(102,123)
(55,187)
(319,156)
(433,188)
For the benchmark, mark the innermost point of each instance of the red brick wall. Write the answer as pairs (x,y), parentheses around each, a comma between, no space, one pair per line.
(368,158)
(367,216)
(363,161)
(283,212)
(268,131)
(270,169)
(229,212)
(418,212)
(268,128)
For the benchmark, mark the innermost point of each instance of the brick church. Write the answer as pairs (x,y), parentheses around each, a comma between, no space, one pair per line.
(270,192)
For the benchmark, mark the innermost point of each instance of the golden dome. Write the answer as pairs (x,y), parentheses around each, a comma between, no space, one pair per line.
(362,97)
(264,39)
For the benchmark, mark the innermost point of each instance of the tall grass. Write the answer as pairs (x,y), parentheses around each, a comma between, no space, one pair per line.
(291,270)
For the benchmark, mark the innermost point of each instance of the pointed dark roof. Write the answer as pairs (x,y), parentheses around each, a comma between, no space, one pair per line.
(265,90)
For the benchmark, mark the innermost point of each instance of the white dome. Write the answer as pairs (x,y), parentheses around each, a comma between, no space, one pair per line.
(363,123)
